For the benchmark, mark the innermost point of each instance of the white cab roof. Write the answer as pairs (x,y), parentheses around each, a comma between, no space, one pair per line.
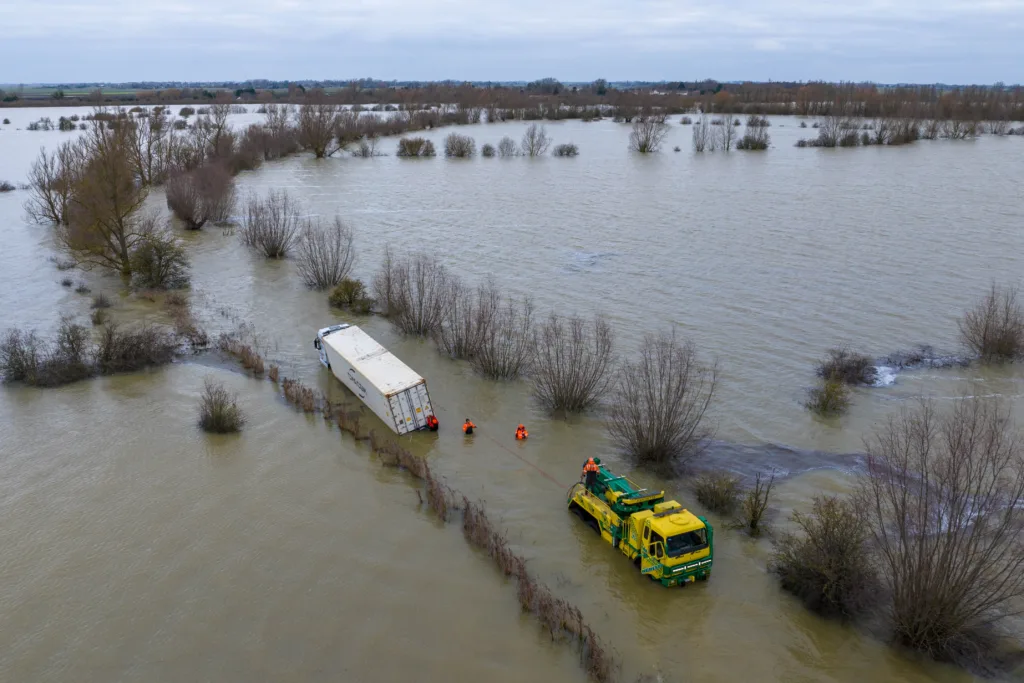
(381,367)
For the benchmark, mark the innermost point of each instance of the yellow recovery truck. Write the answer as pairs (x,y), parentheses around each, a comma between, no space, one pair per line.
(665,541)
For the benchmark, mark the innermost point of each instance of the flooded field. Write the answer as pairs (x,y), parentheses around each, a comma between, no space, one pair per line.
(138,548)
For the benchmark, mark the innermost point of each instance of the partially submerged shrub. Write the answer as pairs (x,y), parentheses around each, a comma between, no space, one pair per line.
(487,150)
(98,317)
(459,146)
(71,356)
(414,292)
(467,319)
(847,366)
(160,262)
(648,134)
(660,402)
(507,147)
(535,141)
(6,186)
(506,347)
(567,149)
(348,293)
(82,288)
(755,138)
(26,358)
(755,502)
(271,225)
(366,147)
(828,564)
(572,365)
(415,147)
(994,328)
(205,194)
(101,301)
(325,253)
(218,409)
(717,491)
(66,281)
(944,499)
(830,397)
(120,350)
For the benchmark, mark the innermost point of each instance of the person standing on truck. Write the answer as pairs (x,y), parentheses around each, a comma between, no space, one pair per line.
(468,427)
(590,470)
(432,424)
(521,433)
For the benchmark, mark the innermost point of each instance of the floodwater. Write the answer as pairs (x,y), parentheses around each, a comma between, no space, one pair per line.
(137,548)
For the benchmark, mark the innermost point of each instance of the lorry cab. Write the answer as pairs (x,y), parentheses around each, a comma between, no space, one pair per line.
(671,543)
(318,343)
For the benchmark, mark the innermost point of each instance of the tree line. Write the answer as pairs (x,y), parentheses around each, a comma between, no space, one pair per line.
(815,98)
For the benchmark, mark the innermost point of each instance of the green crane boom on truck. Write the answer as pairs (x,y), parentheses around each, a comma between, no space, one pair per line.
(665,541)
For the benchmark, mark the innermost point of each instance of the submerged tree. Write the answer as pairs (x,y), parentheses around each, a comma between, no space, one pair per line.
(648,133)
(51,183)
(944,496)
(572,364)
(659,404)
(105,221)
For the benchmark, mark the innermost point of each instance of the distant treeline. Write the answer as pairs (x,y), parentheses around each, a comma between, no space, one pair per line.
(996,102)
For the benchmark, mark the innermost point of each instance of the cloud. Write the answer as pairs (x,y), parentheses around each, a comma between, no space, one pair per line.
(886,40)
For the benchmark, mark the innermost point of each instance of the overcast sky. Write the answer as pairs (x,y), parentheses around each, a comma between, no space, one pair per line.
(952,41)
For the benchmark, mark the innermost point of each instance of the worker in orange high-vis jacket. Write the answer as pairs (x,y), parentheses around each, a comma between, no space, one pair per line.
(432,423)
(521,433)
(468,427)
(590,470)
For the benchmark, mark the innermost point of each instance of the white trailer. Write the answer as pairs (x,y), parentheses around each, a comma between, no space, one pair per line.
(389,387)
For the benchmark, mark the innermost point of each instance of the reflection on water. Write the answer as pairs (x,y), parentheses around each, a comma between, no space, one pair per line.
(137,548)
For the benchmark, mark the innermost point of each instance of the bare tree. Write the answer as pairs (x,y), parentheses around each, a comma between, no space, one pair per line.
(459,146)
(648,133)
(507,147)
(703,138)
(755,503)
(271,225)
(959,128)
(837,127)
(945,498)
(726,133)
(467,318)
(506,346)
(420,291)
(994,328)
(217,123)
(206,194)
(150,147)
(415,147)
(280,137)
(52,181)
(278,116)
(105,219)
(325,253)
(756,135)
(535,141)
(385,284)
(319,121)
(660,402)
(573,362)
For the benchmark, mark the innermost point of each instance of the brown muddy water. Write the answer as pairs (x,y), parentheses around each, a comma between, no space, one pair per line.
(136,548)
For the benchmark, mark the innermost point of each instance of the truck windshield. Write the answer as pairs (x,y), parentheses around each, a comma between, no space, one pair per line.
(690,542)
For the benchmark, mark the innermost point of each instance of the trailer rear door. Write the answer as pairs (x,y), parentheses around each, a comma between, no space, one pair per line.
(410,408)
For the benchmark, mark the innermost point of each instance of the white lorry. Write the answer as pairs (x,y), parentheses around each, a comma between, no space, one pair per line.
(389,387)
